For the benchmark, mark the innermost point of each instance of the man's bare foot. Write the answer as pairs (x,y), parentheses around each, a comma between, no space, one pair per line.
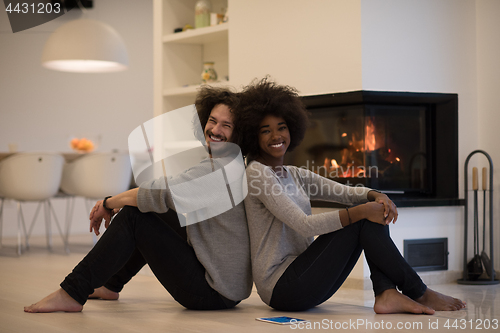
(104,293)
(57,301)
(392,301)
(440,302)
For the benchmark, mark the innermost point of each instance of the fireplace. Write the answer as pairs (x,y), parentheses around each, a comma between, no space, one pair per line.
(401,143)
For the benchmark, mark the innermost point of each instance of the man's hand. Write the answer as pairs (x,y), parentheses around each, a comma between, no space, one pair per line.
(97,214)
(117,202)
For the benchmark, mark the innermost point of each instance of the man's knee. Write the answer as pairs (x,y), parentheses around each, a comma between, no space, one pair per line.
(129,210)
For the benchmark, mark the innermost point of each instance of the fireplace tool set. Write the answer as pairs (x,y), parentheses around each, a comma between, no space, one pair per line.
(473,268)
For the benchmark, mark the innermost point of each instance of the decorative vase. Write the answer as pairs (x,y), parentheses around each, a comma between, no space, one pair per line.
(208,75)
(202,11)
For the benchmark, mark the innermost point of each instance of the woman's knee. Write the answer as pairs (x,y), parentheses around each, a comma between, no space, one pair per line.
(210,303)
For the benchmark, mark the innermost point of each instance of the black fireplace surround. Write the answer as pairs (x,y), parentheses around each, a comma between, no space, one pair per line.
(402,143)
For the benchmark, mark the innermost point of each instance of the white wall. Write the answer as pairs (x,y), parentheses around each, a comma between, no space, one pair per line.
(488,55)
(426,46)
(314,46)
(40,109)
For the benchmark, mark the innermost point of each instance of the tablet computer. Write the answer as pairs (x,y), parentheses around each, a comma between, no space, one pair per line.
(282,320)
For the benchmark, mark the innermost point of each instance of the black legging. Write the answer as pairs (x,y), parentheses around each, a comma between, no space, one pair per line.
(133,234)
(316,274)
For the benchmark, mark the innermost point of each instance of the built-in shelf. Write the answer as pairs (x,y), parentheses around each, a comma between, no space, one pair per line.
(190,90)
(180,56)
(199,36)
(181,91)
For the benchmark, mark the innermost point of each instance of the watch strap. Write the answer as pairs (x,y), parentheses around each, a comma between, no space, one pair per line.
(104,203)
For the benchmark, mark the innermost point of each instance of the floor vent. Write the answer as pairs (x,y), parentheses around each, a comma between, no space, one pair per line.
(430,254)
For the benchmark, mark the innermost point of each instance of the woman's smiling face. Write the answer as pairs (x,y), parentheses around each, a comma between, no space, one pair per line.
(274,139)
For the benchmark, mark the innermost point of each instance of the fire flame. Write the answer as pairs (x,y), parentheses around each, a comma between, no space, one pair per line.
(360,149)
(370,141)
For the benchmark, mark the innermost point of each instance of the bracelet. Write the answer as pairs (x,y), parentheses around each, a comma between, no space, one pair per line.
(348,216)
(104,203)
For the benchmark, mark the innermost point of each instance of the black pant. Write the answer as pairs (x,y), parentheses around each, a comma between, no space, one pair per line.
(136,238)
(136,261)
(316,274)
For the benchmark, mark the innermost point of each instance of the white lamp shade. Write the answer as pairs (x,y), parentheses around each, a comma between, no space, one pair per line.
(85,46)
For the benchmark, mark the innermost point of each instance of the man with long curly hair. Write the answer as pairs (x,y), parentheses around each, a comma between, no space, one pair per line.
(204,266)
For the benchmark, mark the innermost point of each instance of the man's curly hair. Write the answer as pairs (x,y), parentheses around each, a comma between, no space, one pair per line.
(206,99)
(265,97)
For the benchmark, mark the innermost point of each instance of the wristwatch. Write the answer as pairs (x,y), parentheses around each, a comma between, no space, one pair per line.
(104,203)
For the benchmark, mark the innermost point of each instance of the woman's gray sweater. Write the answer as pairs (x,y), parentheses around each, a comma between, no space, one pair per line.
(279,217)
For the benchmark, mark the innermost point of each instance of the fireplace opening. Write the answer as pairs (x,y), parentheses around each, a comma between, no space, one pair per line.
(404,144)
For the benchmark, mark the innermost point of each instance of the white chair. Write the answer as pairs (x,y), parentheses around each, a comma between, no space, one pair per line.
(95,176)
(31,177)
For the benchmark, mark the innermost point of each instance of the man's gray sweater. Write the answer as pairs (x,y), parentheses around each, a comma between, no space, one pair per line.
(221,243)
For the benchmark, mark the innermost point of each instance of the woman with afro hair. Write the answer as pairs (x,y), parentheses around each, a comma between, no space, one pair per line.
(293,271)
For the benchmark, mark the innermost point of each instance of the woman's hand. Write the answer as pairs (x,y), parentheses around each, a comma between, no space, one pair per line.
(390,211)
(99,213)
(374,211)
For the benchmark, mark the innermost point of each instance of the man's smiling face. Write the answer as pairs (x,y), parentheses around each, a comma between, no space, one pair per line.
(219,127)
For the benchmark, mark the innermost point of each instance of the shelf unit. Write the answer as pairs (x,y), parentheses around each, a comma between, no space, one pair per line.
(179,57)
(199,36)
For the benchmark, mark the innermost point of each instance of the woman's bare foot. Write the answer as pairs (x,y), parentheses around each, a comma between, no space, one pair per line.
(440,302)
(57,301)
(392,301)
(104,293)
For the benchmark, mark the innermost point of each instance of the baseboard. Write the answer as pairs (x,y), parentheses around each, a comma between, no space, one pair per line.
(440,277)
(357,283)
(429,278)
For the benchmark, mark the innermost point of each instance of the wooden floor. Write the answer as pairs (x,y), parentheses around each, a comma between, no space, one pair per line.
(144,306)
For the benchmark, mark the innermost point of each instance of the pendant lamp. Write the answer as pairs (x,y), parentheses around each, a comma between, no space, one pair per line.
(85,46)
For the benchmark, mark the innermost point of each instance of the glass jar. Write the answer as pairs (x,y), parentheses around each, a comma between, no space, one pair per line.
(202,11)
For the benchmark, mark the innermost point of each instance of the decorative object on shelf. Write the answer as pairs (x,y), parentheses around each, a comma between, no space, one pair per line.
(187,27)
(208,75)
(213,19)
(85,46)
(202,11)
(216,18)
(474,269)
